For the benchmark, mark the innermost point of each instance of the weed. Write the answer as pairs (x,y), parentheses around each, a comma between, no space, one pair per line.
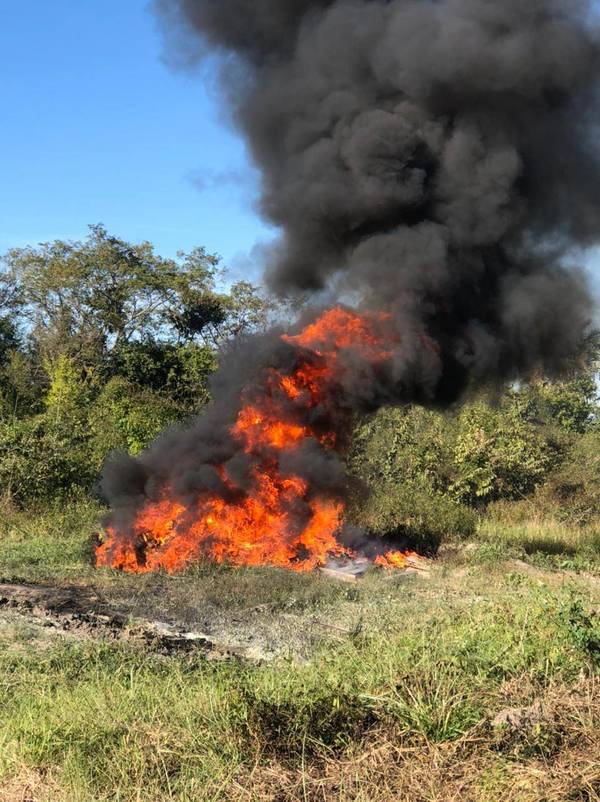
(581,626)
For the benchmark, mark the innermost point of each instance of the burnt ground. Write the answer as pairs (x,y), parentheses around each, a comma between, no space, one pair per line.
(84,613)
(52,589)
(251,615)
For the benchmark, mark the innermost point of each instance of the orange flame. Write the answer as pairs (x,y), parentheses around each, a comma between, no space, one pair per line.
(394,559)
(281,522)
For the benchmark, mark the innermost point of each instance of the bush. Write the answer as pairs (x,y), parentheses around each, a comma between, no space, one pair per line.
(407,444)
(571,404)
(476,456)
(127,417)
(498,455)
(40,460)
(415,516)
(19,386)
(180,371)
(47,455)
(572,492)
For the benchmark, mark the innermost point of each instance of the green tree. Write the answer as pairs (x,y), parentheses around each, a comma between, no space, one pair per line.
(21,385)
(47,454)
(88,299)
(128,418)
(180,370)
(571,404)
(404,444)
(67,396)
(572,492)
(480,453)
(497,454)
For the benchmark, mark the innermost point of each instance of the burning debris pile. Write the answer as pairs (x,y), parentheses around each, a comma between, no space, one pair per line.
(432,163)
(272,492)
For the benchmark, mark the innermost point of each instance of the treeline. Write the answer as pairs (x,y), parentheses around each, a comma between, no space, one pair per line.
(103,344)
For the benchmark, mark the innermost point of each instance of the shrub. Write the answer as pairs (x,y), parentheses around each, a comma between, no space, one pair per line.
(403,444)
(180,371)
(498,455)
(573,490)
(572,404)
(129,418)
(415,516)
(40,459)
(46,455)
(67,397)
(19,386)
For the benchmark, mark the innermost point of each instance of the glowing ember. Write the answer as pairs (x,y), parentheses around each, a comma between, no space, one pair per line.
(280,520)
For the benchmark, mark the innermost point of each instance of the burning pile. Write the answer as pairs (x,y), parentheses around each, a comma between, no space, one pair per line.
(436,160)
(279,519)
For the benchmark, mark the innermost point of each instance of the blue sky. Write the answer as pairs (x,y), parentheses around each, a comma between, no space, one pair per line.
(95,128)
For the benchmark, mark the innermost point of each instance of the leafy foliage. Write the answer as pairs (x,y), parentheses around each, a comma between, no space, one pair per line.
(91,299)
(180,370)
(40,459)
(475,456)
(573,491)
(496,454)
(102,345)
(424,469)
(127,417)
(415,516)
(571,404)
(408,443)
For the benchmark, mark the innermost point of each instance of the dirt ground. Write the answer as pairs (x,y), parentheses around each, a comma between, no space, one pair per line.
(196,614)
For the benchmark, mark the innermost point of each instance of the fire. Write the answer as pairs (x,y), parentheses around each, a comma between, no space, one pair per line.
(257,428)
(280,520)
(393,559)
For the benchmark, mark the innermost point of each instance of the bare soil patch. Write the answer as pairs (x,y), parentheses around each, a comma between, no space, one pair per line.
(250,616)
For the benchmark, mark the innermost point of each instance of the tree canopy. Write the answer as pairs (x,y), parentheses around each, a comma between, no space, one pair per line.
(95,297)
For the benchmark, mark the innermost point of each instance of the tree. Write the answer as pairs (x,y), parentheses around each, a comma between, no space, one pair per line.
(90,299)
(571,403)
(103,344)
(498,455)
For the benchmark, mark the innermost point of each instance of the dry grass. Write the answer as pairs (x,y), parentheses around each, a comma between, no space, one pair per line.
(554,761)
(31,786)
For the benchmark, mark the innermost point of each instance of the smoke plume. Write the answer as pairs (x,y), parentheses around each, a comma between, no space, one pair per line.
(436,157)
(435,160)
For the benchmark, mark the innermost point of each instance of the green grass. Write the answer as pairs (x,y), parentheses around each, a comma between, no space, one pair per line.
(101,722)
(395,705)
(546,543)
(54,543)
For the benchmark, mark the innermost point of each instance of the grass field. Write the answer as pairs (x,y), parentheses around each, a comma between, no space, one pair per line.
(477,683)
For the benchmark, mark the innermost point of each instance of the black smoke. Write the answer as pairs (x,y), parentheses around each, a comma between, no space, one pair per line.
(434,158)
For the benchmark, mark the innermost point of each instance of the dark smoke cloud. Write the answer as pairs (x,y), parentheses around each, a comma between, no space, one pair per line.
(435,158)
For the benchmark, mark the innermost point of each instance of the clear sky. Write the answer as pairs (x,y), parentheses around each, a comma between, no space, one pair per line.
(96,128)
